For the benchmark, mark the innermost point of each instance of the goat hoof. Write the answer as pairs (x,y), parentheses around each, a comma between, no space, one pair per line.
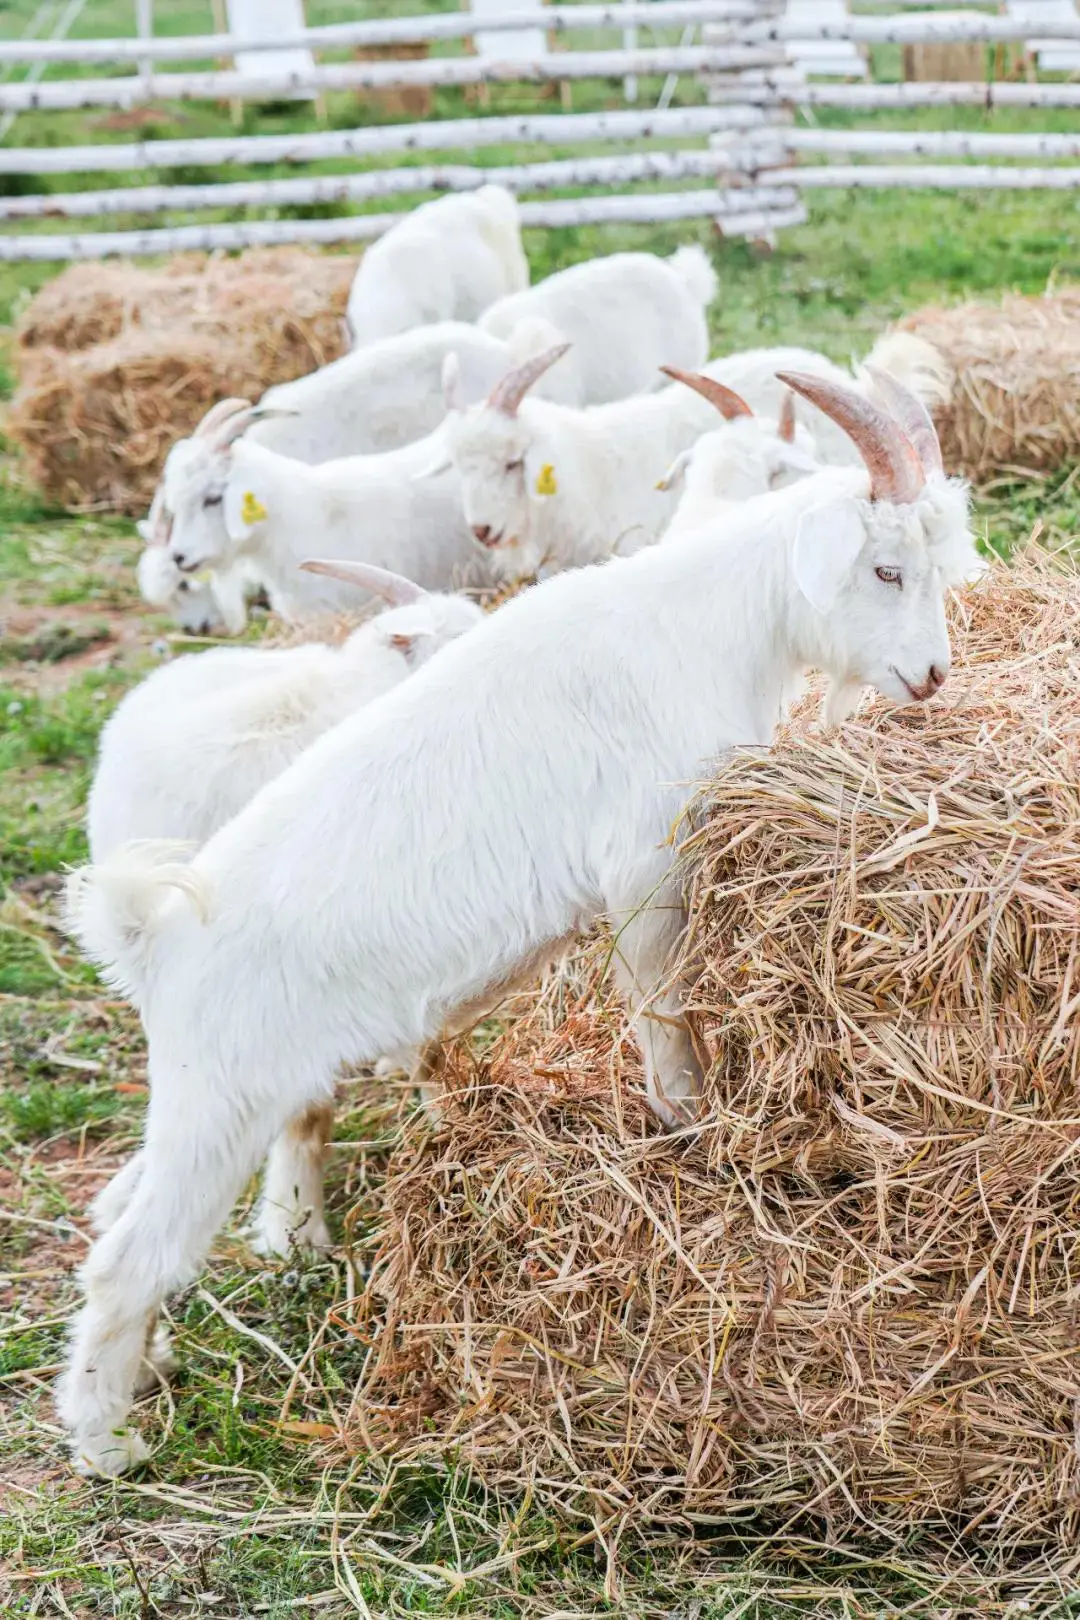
(110,1455)
(157,1366)
(276,1235)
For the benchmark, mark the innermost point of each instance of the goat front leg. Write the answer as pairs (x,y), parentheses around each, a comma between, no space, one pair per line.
(291,1213)
(646,936)
(194,1165)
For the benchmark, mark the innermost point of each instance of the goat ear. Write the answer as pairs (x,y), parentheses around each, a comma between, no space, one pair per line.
(245,504)
(827,542)
(440,462)
(144,530)
(675,472)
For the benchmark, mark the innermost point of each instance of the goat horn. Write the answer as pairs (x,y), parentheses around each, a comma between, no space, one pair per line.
(508,394)
(219,413)
(159,521)
(393,588)
(785,426)
(727,401)
(896,473)
(912,416)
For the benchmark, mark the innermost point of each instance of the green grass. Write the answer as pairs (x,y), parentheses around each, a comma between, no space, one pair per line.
(237,1515)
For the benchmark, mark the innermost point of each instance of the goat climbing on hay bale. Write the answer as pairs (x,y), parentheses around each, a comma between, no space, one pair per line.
(848,1296)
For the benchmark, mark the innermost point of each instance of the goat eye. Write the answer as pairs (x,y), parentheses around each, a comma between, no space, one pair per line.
(212,500)
(889,576)
(515,466)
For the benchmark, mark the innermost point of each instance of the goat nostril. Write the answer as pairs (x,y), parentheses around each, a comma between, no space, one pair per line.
(178,558)
(937,676)
(482,531)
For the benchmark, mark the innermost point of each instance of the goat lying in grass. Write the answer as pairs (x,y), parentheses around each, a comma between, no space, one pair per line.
(444,841)
(447,260)
(625,315)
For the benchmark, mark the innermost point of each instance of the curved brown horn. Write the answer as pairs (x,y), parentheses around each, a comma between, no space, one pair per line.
(727,401)
(785,425)
(393,588)
(896,473)
(912,416)
(217,414)
(508,393)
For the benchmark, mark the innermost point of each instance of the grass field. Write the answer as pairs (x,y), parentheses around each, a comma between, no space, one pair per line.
(250,1507)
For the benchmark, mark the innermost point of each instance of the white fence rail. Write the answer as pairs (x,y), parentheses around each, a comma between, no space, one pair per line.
(383,31)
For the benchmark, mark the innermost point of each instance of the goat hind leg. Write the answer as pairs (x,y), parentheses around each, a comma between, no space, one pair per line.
(291,1213)
(195,1163)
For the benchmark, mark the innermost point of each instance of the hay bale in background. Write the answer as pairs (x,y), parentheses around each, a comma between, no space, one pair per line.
(1015,407)
(851,1299)
(117,362)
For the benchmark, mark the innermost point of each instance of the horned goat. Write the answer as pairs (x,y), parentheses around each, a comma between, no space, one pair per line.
(447,260)
(187,749)
(625,315)
(442,842)
(749,455)
(547,487)
(380,398)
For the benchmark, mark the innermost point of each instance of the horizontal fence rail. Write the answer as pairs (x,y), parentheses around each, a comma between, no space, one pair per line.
(907,142)
(435,135)
(592,171)
(458,71)
(750,212)
(383,31)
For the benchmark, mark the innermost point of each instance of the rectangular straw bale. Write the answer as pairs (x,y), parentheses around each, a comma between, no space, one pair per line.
(116,361)
(1015,406)
(849,1303)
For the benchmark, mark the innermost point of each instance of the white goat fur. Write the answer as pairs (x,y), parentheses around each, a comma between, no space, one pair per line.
(270,512)
(191,745)
(625,315)
(429,848)
(447,260)
(555,487)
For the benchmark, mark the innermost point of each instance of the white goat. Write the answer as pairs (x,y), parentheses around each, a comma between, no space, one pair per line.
(188,748)
(447,260)
(625,315)
(377,399)
(546,486)
(238,506)
(746,457)
(442,842)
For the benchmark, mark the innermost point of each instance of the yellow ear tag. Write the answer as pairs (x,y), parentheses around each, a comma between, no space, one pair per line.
(252,509)
(545,480)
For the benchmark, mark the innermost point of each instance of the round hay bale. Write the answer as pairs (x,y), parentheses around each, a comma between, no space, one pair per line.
(1015,406)
(116,362)
(848,1303)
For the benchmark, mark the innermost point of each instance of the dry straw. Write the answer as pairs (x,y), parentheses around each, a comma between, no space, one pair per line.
(846,1306)
(117,362)
(1015,407)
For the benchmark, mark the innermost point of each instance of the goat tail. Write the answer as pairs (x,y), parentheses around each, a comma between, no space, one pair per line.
(113,909)
(917,363)
(691,265)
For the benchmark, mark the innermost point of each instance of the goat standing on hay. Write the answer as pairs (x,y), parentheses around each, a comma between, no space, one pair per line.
(445,841)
